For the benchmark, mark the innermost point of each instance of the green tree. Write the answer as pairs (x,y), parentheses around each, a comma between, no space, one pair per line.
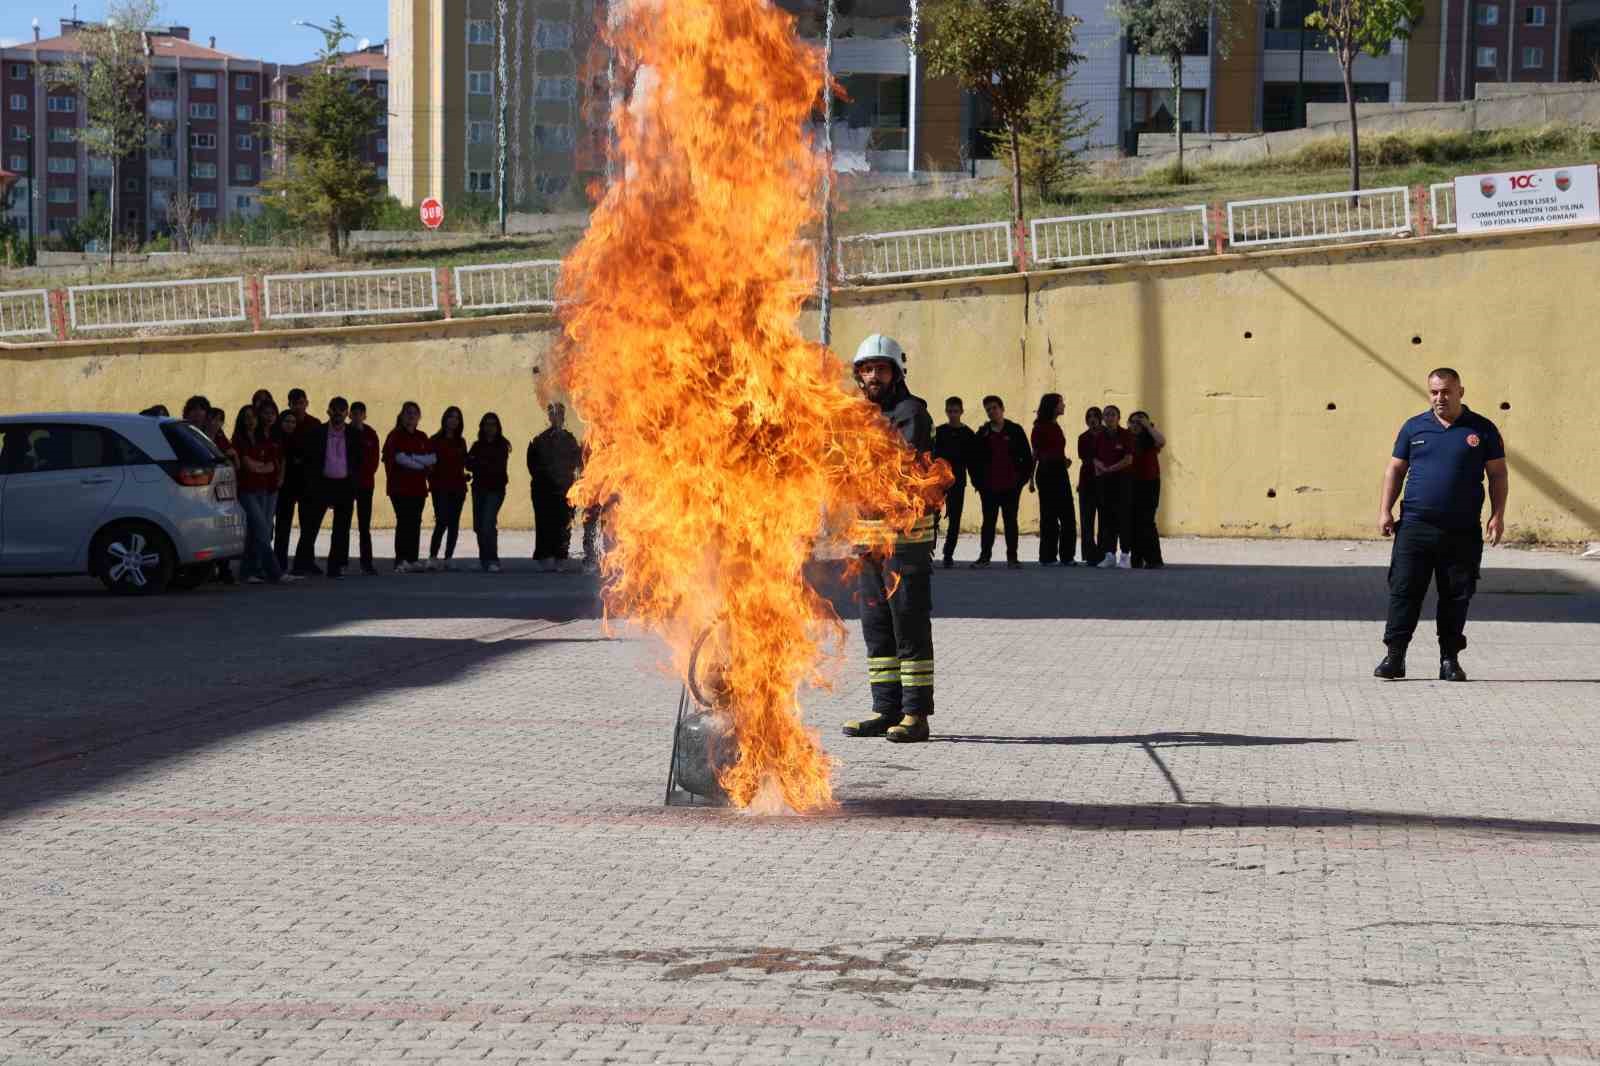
(1007,51)
(325,185)
(1055,128)
(1356,26)
(109,75)
(1165,28)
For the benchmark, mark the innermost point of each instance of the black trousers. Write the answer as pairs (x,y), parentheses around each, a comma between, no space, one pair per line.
(997,504)
(1450,558)
(955,498)
(1115,513)
(446,522)
(1088,504)
(364,525)
(552,521)
(1146,537)
(339,497)
(407,527)
(283,524)
(897,622)
(1058,532)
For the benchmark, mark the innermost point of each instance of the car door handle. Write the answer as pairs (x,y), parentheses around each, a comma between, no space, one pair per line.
(95,481)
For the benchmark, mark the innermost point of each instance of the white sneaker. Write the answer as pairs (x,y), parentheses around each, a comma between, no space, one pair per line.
(547,565)
(494,568)
(289,579)
(431,565)
(1124,562)
(447,565)
(255,580)
(402,568)
(1108,563)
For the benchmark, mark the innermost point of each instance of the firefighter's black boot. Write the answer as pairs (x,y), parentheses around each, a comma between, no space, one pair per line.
(876,726)
(912,729)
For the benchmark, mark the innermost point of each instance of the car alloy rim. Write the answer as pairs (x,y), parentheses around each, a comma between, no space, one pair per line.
(130,560)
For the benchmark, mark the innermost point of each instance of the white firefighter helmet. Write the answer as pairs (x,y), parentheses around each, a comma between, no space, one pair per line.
(878,346)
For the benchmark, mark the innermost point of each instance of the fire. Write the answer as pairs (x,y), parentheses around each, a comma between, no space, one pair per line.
(730,444)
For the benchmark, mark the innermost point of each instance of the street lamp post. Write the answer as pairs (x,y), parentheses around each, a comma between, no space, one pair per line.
(33,241)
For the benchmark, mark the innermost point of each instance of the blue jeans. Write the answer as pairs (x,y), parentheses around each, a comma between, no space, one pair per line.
(259,560)
(486,524)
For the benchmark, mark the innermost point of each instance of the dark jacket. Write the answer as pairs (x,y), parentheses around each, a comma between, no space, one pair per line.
(554,459)
(314,453)
(1021,454)
(909,416)
(953,444)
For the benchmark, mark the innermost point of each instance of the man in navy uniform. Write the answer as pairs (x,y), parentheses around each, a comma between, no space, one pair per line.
(1443,456)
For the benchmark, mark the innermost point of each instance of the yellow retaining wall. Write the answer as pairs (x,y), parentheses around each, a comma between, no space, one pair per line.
(1237,358)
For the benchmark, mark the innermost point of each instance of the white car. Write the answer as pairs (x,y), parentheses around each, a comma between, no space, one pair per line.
(141,503)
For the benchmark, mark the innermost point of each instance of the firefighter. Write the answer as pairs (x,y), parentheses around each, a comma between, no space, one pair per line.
(896,600)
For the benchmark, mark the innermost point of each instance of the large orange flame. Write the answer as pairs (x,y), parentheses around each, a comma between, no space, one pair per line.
(729,443)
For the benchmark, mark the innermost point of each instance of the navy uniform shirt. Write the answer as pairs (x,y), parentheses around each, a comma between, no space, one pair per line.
(1444,485)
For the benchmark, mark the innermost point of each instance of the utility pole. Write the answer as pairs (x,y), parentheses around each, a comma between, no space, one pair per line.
(911,113)
(1300,80)
(505,102)
(825,330)
(33,240)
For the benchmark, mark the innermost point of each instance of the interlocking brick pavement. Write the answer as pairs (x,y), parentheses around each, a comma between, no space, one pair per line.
(1168,817)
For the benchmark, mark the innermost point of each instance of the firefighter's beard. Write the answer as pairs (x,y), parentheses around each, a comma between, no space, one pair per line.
(874,390)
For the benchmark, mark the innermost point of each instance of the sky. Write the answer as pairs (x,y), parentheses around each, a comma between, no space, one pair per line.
(258,30)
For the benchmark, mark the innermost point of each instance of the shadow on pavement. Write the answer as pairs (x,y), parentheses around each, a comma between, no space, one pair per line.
(1154,740)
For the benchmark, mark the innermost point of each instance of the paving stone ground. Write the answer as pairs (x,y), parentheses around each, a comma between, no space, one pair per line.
(1167,817)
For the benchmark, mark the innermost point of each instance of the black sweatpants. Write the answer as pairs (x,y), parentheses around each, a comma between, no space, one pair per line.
(1058,533)
(1452,559)
(999,504)
(552,521)
(1088,504)
(283,524)
(340,498)
(898,627)
(955,498)
(364,525)
(1116,513)
(1146,537)
(407,527)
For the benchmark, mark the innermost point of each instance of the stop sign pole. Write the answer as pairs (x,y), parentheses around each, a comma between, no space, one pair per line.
(432,212)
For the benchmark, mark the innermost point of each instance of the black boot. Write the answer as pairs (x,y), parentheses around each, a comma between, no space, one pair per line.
(1393,666)
(876,726)
(1450,670)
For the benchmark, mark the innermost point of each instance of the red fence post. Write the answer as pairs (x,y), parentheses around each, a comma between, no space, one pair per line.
(253,300)
(1216,226)
(1422,210)
(1022,246)
(446,296)
(58,305)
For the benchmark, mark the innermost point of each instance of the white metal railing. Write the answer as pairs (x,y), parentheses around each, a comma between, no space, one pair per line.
(1119,234)
(945,250)
(1320,217)
(24,313)
(410,290)
(1442,204)
(198,302)
(528,284)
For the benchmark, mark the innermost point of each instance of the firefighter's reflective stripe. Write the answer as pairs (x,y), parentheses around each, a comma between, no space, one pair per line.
(917,672)
(881,671)
(872,530)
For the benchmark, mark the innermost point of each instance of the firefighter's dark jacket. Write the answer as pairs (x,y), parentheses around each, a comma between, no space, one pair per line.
(909,416)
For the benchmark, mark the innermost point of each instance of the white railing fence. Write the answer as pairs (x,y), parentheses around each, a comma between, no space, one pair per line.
(1442,205)
(412,290)
(24,313)
(528,284)
(140,304)
(1119,234)
(909,253)
(1319,217)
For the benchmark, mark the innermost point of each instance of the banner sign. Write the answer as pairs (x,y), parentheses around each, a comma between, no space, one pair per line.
(1560,196)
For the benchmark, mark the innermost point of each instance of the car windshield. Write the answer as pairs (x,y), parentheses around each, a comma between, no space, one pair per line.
(190,444)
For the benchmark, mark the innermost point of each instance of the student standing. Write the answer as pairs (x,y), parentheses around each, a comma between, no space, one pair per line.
(1145,474)
(487,461)
(953,443)
(333,466)
(1088,502)
(447,482)
(407,456)
(1001,463)
(292,497)
(554,460)
(291,484)
(260,470)
(1058,533)
(1113,456)
(366,483)
(217,429)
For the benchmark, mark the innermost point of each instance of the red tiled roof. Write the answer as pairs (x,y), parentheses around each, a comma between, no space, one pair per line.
(364,59)
(160,45)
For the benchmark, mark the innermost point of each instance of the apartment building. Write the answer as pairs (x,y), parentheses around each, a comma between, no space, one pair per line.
(206,103)
(368,70)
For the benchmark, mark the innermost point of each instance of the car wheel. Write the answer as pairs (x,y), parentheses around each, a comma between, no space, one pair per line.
(192,577)
(134,559)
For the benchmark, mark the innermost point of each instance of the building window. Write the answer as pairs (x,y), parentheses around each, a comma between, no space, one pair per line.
(163,109)
(62,164)
(19,164)
(19,133)
(131,185)
(202,81)
(383,172)
(166,79)
(244,172)
(59,226)
(164,140)
(19,102)
(480,31)
(551,34)
(163,168)
(552,138)
(19,71)
(480,82)
(1152,110)
(205,199)
(244,203)
(1533,16)
(1488,14)
(244,113)
(202,110)
(202,170)
(133,214)
(1532,58)
(202,140)
(551,184)
(480,181)
(63,194)
(1488,57)
(244,82)
(383,90)
(66,105)
(479,133)
(383,146)
(245,142)
(556,89)
(99,167)
(63,135)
